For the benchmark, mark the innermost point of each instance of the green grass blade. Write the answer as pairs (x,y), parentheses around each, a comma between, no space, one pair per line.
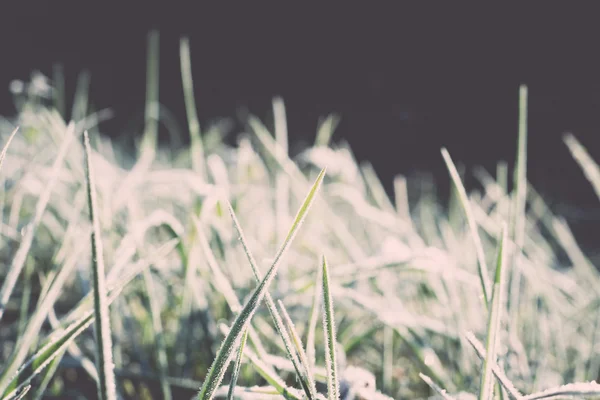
(279,326)
(104,361)
(151,115)
(5,148)
(495,317)
(326,130)
(300,349)
(282,187)
(333,384)
(464,199)
(237,366)
(313,320)
(267,373)
(196,146)
(518,206)
(19,395)
(219,365)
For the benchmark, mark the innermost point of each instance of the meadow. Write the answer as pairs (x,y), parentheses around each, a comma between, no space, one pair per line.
(238,271)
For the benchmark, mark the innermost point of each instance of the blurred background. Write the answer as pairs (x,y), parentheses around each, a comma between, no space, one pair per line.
(405,80)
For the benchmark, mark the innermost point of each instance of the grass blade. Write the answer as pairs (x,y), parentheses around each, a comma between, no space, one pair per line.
(585,161)
(333,384)
(282,187)
(464,199)
(500,375)
(237,366)
(277,320)
(150,138)
(302,354)
(21,395)
(104,361)
(518,206)
(5,148)
(442,392)
(314,316)
(591,389)
(326,129)
(219,365)
(495,316)
(196,146)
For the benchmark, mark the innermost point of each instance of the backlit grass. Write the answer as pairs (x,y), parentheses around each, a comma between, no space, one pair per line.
(145,276)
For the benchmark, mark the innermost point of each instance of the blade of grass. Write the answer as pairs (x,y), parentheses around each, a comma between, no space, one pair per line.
(326,129)
(279,326)
(282,187)
(333,384)
(518,207)
(313,320)
(464,199)
(500,375)
(21,394)
(577,390)
(104,361)
(442,392)
(196,146)
(267,373)
(150,138)
(5,148)
(494,320)
(219,365)
(237,366)
(585,161)
(300,349)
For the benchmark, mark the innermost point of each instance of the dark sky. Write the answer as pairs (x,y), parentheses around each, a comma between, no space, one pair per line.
(406,80)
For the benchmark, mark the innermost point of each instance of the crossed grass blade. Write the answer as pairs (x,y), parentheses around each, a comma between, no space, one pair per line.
(219,365)
(279,325)
(300,349)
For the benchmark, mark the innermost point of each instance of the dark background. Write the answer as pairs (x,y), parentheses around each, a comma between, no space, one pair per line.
(406,81)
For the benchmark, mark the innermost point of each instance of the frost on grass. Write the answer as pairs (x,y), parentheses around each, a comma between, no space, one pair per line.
(412,268)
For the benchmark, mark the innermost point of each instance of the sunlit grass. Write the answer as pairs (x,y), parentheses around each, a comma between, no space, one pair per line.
(192,238)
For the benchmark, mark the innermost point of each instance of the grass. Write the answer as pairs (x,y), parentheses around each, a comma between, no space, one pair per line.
(187,244)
